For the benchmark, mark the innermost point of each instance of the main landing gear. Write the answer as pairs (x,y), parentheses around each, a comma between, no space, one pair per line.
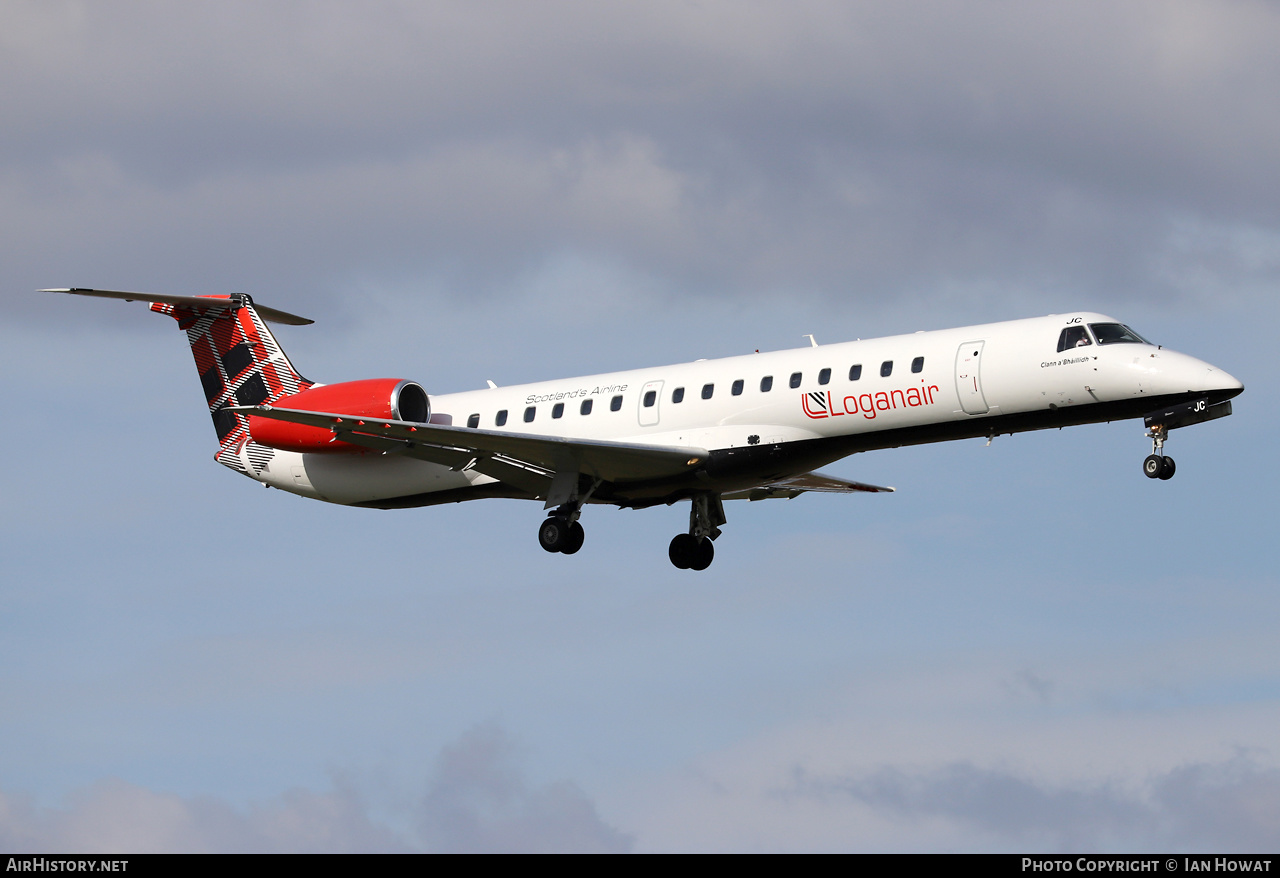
(693,551)
(559,534)
(561,531)
(1157,466)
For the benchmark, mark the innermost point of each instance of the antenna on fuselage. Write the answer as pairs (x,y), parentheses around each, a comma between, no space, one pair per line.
(812,341)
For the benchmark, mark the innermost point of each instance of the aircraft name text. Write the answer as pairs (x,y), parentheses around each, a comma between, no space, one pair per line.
(535,398)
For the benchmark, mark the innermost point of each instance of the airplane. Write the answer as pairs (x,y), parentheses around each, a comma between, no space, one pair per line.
(749,427)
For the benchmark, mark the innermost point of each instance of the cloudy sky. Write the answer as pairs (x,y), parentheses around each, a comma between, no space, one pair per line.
(1028,647)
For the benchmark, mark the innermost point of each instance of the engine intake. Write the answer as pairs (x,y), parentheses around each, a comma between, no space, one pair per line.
(376,398)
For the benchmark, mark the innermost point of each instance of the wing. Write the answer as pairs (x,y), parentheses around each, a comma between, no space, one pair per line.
(794,486)
(545,466)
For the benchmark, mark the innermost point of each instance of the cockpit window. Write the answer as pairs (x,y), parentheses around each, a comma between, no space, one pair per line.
(1116,333)
(1073,337)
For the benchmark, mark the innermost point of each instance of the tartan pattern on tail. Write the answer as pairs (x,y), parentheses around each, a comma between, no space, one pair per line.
(240,363)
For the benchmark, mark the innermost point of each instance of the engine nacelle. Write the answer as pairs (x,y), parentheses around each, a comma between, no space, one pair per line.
(377,399)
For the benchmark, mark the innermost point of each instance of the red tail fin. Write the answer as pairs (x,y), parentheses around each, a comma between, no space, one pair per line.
(240,363)
(239,360)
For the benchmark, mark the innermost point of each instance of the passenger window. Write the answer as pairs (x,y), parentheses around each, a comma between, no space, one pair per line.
(855,372)
(736,390)
(529,413)
(585,408)
(650,398)
(677,395)
(886,368)
(795,379)
(501,419)
(917,365)
(707,390)
(1073,337)
(473,421)
(824,377)
(766,384)
(557,410)
(615,404)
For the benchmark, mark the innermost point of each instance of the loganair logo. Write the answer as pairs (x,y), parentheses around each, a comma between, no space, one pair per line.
(821,404)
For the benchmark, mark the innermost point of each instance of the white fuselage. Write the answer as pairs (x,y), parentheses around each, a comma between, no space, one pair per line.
(905,389)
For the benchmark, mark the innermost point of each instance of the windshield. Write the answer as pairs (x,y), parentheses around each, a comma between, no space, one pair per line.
(1116,333)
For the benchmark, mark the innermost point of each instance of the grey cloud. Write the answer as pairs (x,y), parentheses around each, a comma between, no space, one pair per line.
(477,801)
(846,152)
(114,816)
(1232,805)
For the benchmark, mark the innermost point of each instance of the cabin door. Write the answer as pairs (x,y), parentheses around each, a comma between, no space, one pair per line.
(650,398)
(969,377)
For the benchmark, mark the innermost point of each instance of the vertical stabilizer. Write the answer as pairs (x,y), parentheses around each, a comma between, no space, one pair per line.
(240,363)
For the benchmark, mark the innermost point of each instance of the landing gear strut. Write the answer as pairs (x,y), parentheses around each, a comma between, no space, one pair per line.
(1157,466)
(693,551)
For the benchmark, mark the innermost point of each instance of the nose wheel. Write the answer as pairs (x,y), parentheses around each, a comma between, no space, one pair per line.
(1157,466)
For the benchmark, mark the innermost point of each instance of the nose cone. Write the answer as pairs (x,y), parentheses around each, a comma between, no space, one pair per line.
(1227,385)
(1181,373)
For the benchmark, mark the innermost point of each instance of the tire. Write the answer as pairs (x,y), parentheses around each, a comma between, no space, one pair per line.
(553,534)
(573,542)
(1169,468)
(681,551)
(1153,466)
(703,555)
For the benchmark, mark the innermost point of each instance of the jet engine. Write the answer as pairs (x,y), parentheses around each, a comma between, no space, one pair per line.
(377,399)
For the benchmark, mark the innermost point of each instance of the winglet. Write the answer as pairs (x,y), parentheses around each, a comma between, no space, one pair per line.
(206,303)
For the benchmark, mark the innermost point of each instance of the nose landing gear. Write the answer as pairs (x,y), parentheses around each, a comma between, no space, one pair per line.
(1157,466)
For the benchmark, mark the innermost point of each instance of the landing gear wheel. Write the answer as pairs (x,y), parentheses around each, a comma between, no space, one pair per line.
(1153,466)
(702,555)
(688,552)
(682,549)
(574,541)
(1168,469)
(553,535)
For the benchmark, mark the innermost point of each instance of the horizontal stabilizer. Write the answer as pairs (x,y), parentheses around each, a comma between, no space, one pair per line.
(198,303)
(794,486)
